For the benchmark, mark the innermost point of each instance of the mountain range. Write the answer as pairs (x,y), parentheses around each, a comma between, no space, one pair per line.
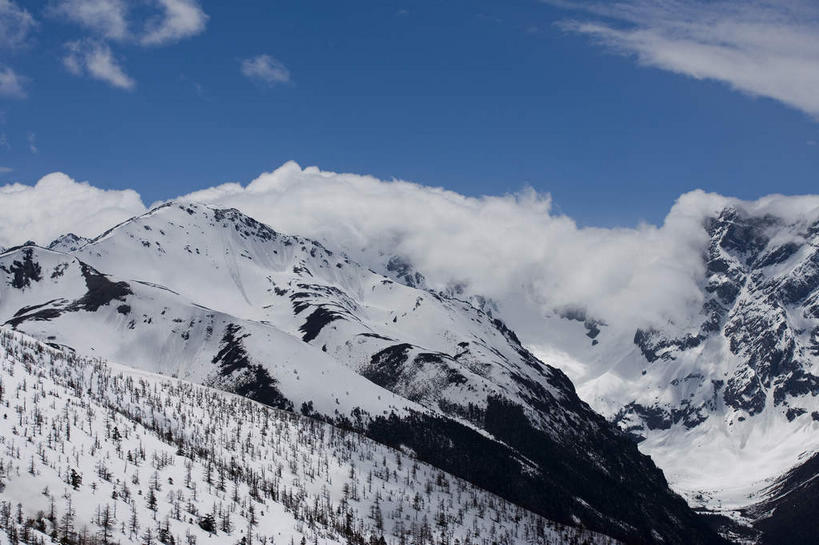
(725,403)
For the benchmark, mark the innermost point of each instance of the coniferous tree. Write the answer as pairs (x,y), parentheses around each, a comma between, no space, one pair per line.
(66,529)
(133,521)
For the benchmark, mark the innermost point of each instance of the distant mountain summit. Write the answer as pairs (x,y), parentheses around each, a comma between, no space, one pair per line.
(67,243)
(761,315)
(215,297)
(741,381)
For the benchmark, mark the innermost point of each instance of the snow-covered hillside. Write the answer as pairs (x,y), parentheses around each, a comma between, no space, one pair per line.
(217,298)
(99,453)
(432,349)
(64,301)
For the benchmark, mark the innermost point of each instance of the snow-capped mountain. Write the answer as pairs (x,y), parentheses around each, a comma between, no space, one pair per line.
(217,298)
(68,243)
(100,453)
(745,376)
(754,345)
(153,328)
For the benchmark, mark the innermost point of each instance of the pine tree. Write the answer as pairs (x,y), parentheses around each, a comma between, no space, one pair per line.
(133,522)
(105,520)
(226,526)
(67,522)
(152,500)
(75,479)
(208,524)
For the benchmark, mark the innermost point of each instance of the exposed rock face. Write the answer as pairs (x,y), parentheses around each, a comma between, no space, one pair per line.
(762,303)
(68,243)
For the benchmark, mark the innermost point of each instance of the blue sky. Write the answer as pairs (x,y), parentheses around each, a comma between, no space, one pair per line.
(595,106)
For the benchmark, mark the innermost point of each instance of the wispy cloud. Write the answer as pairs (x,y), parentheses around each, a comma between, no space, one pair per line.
(32,143)
(760,47)
(11,83)
(57,205)
(181,19)
(96,60)
(6,170)
(167,20)
(265,69)
(15,24)
(108,18)
(153,23)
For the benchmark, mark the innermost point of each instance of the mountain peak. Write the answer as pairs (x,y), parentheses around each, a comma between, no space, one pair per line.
(68,243)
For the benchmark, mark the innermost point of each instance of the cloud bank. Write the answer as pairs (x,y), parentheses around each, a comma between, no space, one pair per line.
(56,205)
(497,246)
(511,248)
(760,47)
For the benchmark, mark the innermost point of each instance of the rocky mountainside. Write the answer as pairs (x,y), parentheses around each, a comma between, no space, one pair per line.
(727,401)
(68,243)
(761,311)
(217,298)
(98,453)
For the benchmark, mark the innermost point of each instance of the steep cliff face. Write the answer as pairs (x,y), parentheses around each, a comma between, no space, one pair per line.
(762,304)
(731,400)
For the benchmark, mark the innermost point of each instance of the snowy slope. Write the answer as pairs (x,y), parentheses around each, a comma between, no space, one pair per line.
(215,297)
(155,329)
(229,262)
(103,452)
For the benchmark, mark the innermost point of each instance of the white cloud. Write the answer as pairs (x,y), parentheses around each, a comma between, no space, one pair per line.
(761,47)
(96,60)
(156,22)
(265,69)
(32,143)
(180,19)
(15,24)
(57,205)
(511,248)
(514,248)
(11,83)
(108,18)
(6,170)
(500,247)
